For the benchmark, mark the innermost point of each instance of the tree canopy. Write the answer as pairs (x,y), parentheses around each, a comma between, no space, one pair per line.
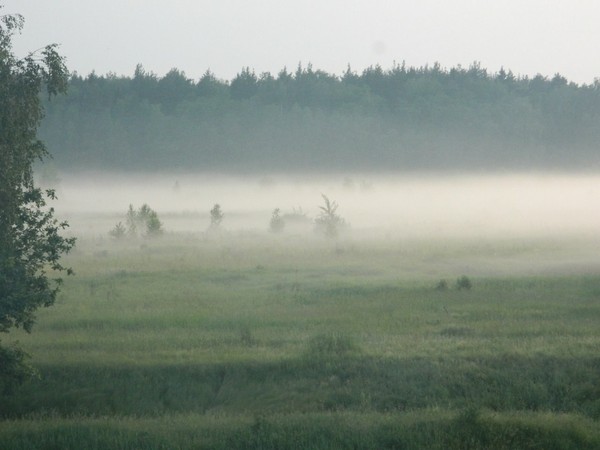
(30,241)
(392,119)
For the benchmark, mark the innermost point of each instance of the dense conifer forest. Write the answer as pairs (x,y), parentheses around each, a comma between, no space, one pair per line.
(402,118)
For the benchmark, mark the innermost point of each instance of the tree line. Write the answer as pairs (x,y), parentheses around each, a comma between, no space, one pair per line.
(398,118)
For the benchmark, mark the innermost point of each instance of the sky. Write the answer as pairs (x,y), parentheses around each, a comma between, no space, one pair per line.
(525,36)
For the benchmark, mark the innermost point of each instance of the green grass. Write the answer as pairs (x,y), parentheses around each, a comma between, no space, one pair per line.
(431,429)
(266,342)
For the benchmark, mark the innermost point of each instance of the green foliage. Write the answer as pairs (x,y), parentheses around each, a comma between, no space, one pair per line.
(14,369)
(143,221)
(132,221)
(119,231)
(31,244)
(463,282)
(394,119)
(442,285)
(329,222)
(276,224)
(244,85)
(149,217)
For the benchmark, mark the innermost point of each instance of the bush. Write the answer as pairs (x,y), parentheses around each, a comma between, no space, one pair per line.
(119,231)
(442,285)
(329,221)
(14,369)
(277,224)
(463,283)
(216,217)
(297,221)
(153,224)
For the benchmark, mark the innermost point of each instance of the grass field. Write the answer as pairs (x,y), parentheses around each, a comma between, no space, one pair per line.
(253,340)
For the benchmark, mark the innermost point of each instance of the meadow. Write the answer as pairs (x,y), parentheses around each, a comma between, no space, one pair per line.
(248,339)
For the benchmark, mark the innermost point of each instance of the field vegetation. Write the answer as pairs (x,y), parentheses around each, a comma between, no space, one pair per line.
(287,340)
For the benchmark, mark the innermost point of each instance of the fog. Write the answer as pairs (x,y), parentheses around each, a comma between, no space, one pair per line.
(411,206)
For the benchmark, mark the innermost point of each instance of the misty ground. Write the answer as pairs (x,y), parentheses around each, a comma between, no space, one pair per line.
(554,218)
(426,205)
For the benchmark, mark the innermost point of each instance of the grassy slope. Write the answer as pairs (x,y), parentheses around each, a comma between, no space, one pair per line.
(282,343)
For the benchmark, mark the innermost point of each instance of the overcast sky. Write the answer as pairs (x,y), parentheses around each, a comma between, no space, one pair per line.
(526,36)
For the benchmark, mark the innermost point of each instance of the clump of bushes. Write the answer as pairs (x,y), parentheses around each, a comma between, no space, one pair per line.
(462,282)
(294,221)
(138,222)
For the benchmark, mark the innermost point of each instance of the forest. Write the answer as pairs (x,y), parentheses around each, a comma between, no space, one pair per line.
(397,119)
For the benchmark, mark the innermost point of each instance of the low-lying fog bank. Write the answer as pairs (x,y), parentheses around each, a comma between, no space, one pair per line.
(510,205)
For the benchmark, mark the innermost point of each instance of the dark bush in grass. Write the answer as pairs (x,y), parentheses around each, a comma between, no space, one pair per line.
(277,223)
(442,285)
(463,282)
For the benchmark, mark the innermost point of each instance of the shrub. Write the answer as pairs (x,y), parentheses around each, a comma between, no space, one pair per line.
(216,217)
(277,224)
(463,283)
(119,231)
(153,224)
(131,219)
(329,221)
(14,369)
(297,221)
(442,285)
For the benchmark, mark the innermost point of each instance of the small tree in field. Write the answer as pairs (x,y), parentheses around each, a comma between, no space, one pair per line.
(216,217)
(144,220)
(149,219)
(119,231)
(153,225)
(131,219)
(329,221)
(277,224)
(463,282)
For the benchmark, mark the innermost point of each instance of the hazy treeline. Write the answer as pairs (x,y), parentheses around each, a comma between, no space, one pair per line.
(398,118)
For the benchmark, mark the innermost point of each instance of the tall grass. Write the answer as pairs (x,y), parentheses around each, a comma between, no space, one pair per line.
(430,429)
(185,343)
